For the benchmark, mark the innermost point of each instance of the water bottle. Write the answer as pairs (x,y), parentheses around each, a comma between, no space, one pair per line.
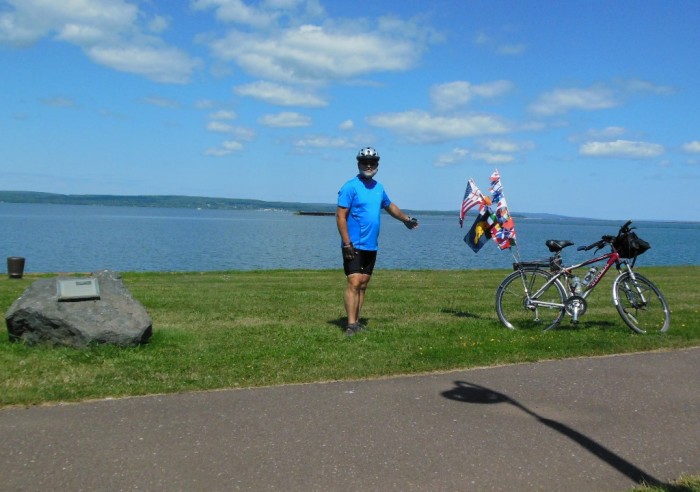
(589,276)
(577,285)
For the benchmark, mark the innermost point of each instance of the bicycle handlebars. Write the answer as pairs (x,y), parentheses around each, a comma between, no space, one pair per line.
(625,228)
(607,239)
(597,244)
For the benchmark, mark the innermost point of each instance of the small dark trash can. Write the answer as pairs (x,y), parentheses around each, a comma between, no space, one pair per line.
(15,266)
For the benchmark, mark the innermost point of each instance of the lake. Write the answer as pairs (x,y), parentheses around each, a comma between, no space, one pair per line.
(74,238)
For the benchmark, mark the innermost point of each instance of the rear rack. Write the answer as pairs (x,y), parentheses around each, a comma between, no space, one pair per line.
(553,263)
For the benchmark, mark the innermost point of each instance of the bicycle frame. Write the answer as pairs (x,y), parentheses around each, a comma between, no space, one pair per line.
(578,307)
(551,289)
(613,258)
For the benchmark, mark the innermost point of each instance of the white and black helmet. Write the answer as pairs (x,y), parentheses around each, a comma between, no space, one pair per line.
(367,154)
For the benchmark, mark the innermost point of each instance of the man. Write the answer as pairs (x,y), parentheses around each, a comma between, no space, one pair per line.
(360,202)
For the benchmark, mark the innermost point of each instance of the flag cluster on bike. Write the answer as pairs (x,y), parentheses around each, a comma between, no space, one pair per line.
(494,224)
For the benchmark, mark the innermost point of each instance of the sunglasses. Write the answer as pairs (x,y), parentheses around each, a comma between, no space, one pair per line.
(371,164)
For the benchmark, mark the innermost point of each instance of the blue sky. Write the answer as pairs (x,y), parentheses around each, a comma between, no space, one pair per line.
(587,108)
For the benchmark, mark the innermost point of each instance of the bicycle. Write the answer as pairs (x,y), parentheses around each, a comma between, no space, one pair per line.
(540,293)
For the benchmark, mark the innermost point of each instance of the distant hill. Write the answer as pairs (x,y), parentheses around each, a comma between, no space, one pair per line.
(160,201)
(199,202)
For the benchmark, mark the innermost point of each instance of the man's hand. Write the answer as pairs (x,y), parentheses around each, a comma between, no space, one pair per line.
(348,251)
(411,223)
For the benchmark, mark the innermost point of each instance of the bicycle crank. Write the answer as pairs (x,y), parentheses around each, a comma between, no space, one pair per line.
(575,306)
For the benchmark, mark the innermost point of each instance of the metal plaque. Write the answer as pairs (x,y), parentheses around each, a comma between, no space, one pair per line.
(79,289)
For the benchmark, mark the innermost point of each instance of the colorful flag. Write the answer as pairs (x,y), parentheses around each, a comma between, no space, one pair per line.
(479,233)
(472,197)
(503,231)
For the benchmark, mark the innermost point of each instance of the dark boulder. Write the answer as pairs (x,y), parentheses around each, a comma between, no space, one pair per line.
(38,316)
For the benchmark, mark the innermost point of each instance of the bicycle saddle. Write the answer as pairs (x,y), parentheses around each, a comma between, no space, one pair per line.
(556,245)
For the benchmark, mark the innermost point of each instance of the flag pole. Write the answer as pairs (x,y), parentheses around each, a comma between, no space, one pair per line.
(516,254)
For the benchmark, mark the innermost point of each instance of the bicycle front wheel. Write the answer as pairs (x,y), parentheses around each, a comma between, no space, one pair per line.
(530,299)
(641,304)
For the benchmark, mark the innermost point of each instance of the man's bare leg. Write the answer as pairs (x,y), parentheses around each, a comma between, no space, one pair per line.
(355,296)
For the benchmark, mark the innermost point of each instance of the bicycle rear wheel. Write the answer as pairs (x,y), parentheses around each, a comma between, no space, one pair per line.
(641,304)
(525,300)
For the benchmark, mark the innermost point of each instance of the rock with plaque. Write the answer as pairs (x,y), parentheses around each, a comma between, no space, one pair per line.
(77,312)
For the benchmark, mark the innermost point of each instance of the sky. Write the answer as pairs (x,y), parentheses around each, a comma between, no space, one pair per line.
(587,108)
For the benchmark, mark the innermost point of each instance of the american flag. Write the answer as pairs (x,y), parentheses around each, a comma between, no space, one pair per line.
(472,197)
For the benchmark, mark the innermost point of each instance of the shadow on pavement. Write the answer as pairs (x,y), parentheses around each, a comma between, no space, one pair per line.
(466,392)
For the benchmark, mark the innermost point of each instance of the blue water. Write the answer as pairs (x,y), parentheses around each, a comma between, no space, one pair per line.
(71,238)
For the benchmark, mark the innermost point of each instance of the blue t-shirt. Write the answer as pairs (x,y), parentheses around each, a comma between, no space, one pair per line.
(365,198)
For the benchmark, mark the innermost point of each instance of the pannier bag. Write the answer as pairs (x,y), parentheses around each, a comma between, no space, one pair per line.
(629,245)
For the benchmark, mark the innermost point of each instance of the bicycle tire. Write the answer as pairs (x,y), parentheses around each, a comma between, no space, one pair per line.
(652,316)
(515,311)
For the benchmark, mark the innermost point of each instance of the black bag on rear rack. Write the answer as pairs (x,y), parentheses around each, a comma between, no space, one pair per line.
(629,245)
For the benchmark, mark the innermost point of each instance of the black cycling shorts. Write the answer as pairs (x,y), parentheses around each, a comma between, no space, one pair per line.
(363,262)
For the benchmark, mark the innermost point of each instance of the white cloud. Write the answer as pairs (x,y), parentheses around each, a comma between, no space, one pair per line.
(608,133)
(507,49)
(455,156)
(114,33)
(419,126)
(158,24)
(347,125)
(622,148)
(319,54)
(492,158)
(594,134)
(227,147)
(325,142)
(452,94)
(223,115)
(237,11)
(285,120)
(30,20)
(160,64)
(497,152)
(239,132)
(692,147)
(561,101)
(219,127)
(161,102)
(644,86)
(507,146)
(279,95)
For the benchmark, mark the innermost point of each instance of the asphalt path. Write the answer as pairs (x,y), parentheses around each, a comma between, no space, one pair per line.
(588,424)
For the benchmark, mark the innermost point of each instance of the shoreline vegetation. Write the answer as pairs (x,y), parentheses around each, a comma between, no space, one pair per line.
(240,329)
(202,203)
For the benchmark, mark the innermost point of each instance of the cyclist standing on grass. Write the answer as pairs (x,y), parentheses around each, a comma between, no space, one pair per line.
(360,202)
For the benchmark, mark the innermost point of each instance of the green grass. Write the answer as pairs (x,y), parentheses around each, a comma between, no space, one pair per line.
(240,329)
(690,483)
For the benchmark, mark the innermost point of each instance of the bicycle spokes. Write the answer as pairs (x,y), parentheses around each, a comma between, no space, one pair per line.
(530,298)
(640,304)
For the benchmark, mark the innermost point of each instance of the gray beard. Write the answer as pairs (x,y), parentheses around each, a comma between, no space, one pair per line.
(369,173)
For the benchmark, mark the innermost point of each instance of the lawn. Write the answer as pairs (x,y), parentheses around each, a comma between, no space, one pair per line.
(235,329)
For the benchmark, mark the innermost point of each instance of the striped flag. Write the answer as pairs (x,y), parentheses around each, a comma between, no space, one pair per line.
(503,232)
(472,197)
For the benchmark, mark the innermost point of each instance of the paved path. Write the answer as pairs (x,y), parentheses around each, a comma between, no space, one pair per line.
(592,424)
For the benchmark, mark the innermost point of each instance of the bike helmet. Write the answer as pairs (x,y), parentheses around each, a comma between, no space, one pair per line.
(367,154)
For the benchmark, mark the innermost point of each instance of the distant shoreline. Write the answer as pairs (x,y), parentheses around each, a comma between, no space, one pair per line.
(204,203)
(211,203)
